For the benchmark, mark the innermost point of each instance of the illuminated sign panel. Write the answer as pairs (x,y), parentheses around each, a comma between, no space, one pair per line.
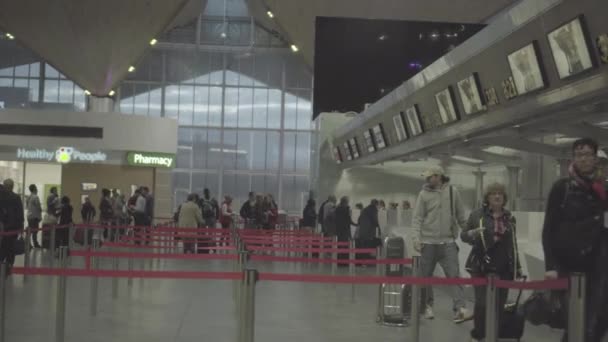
(151,159)
(62,155)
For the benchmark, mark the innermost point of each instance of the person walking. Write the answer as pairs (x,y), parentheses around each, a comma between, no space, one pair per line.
(437,218)
(575,238)
(491,231)
(34,214)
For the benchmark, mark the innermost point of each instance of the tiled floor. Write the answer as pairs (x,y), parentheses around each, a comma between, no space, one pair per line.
(193,310)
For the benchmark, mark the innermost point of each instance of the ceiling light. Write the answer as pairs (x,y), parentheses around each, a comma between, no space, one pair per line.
(294,48)
(270,14)
(86,92)
(10,36)
(131,68)
(153,41)
(382,37)
(467,159)
(223,35)
(111,93)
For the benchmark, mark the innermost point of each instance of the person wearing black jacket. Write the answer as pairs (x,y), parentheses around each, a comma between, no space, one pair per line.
(343,222)
(574,235)
(12,218)
(247,211)
(309,215)
(491,231)
(366,232)
(65,219)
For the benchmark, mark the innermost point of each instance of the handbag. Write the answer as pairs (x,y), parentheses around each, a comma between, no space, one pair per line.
(478,263)
(19,248)
(545,308)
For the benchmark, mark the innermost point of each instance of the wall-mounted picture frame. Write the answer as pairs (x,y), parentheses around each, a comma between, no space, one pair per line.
(412,118)
(602,47)
(88,186)
(347,152)
(354,147)
(369,141)
(470,94)
(526,69)
(337,155)
(570,48)
(379,136)
(400,127)
(491,97)
(447,108)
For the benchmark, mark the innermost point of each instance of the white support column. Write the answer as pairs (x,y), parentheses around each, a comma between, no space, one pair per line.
(479,186)
(513,187)
(100,104)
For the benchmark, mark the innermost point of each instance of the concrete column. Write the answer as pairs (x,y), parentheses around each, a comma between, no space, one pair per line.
(513,187)
(479,187)
(100,104)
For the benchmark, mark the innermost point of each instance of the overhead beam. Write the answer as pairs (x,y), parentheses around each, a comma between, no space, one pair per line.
(584,129)
(521,145)
(488,157)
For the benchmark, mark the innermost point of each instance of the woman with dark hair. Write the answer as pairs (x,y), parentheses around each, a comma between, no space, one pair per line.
(491,230)
(65,220)
(309,216)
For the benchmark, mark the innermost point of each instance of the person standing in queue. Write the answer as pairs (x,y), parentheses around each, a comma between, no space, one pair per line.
(139,215)
(309,216)
(343,222)
(65,220)
(226,213)
(34,214)
(190,217)
(12,219)
(247,211)
(437,218)
(368,226)
(575,234)
(106,212)
(491,230)
(328,212)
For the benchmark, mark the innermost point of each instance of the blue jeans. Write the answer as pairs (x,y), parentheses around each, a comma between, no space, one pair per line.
(446,255)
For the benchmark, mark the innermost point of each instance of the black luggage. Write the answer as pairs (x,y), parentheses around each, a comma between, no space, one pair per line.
(511,325)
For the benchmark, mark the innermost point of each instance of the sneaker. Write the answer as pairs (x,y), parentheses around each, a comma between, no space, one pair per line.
(462,315)
(428,313)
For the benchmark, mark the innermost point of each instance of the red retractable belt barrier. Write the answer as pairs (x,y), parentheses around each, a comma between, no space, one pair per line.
(553,284)
(330,279)
(313,250)
(332,261)
(300,244)
(154,255)
(128,274)
(130,245)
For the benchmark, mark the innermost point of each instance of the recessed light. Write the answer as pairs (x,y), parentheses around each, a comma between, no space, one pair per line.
(294,48)
(86,92)
(153,41)
(382,37)
(270,14)
(131,68)
(223,35)
(111,93)
(10,36)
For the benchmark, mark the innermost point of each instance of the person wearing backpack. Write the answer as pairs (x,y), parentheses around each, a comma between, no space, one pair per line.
(575,238)
(209,209)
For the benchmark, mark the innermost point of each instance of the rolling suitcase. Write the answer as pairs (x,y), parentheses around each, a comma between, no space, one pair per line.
(511,325)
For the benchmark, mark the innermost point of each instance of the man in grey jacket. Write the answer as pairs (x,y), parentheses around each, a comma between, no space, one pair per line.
(437,218)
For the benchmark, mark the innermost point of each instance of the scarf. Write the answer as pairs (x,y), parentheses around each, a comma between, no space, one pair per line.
(594,183)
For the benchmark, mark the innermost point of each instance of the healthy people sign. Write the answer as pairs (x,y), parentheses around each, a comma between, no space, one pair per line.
(62,155)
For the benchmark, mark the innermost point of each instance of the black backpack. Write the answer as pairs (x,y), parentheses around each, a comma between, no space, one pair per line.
(207,209)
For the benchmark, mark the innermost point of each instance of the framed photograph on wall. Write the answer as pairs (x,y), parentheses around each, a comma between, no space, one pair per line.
(570,48)
(447,109)
(379,136)
(399,127)
(354,147)
(369,141)
(602,47)
(470,94)
(337,155)
(412,118)
(86,186)
(526,69)
(347,152)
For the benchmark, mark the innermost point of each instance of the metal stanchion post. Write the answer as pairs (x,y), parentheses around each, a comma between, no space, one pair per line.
(351,268)
(86,237)
(491,309)
(115,267)
(3,270)
(378,258)
(334,255)
(28,250)
(130,262)
(94,280)
(415,315)
(71,237)
(576,307)
(52,246)
(61,297)
(321,253)
(247,308)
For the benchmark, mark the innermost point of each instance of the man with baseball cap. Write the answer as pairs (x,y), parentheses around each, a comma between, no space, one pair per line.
(437,218)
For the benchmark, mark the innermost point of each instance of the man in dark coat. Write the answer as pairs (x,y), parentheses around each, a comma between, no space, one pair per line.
(12,219)
(366,232)
(575,238)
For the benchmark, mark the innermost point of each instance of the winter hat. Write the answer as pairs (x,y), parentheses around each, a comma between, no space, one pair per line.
(435,170)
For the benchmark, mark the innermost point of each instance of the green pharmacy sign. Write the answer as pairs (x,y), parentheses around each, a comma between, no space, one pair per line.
(151,159)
